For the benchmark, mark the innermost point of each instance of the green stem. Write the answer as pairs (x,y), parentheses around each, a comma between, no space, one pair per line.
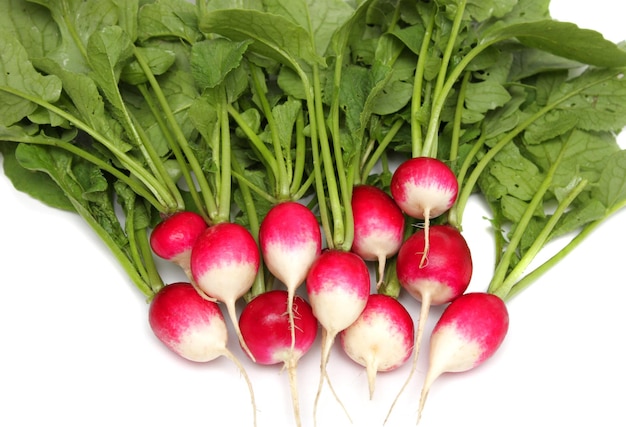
(454,218)
(468,186)
(502,269)
(178,155)
(440,93)
(512,279)
(267,158)
(381,149)
(133,184)
(552,261)
(154,186)
(282,179)
(153,275)
(158,167)
(209,200)
(224,207)
(416,101)
(300,161)
(331,166)
(458,117)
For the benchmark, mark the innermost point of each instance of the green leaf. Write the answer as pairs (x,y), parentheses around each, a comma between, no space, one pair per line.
(600,102)
(274,36)
(212,60)
(36,184)
(175,19)
(320,18)
(564,39)
(17,74)
(30,24)
(77,21)
(484,96)
(611,188)
(159,60)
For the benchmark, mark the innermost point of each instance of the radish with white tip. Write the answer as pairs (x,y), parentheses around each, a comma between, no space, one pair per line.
(266,328)
(469,332)
(378,226)
(173,238)
(424,188)
(290,240)
(224,262)
(381,339)
(338,286)
(192,327)
(444,278)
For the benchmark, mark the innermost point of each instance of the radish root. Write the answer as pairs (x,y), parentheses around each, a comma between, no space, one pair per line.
(327,342)
(236,361)
(426,299)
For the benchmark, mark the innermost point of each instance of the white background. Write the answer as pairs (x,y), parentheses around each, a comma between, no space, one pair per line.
(76,348)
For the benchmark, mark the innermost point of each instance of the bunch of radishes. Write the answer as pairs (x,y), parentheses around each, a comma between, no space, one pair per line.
(432,263)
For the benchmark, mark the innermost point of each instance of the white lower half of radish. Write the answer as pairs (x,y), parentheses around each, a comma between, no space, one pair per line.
(290,263)
(202,343)
(427,202)
(372,343)
(451,351)
(336,309)
(228,281)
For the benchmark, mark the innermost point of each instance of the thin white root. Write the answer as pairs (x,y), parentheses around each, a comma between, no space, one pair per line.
(292,365)
(291,290)
(232,313)
(431,376)
(327,342)
(382,260)
(372,371)
(416,350)
(236,361)
(424,259)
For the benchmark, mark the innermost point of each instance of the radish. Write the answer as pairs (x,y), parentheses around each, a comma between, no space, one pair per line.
(469,331)
(445,277)
(290,240)
(381,339)
(173,237)
(378,226)
(192,327)
(338,286)
(267,329)
(224,262)
(424,188)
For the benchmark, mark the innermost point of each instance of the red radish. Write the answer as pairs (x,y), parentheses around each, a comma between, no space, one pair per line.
(469,331)
(378,226)
(266,328)
(445,277)
(290,240)
(173,238)
(338,286)
(192,326)
(224,262)
(381,339)
(424,188)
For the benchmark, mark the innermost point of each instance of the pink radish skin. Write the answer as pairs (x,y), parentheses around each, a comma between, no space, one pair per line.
(266,328)
(381,339)
(290,240)
(469,332)
(424,188)
(338,286)
(445,277)
(224,262)
(192,327)
(378,226)
(173,238)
